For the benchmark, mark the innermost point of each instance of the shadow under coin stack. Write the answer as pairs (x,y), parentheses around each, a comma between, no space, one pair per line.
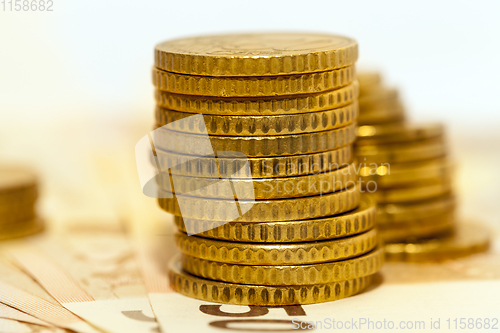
(407,166)
(280,110)
(18,194)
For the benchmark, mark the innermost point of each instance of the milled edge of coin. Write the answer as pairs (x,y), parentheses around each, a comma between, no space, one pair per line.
(253,86)
(256,146)
(267,210)
(407,212)
(238,294)
(367,264)
(187,62)
(349,223)
(400,153)
(262,189)
(253,106)
(277,254)
(258,125)
(387,133)
(260,167)
(435,226)
(468,239)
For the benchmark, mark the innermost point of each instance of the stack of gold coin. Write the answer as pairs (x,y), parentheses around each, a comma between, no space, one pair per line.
(280,111)
(18,194)
(406,169)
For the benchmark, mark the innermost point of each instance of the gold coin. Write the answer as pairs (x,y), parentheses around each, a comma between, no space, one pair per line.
(22,229)
(259,106)
(380,96)
(306,143)
(390,133)
(434,226)
(240,294)
(381,114)
(259,125)
(14,178)
(364,265)
(265,210)
(423,191)
(406,174)
(277,254)
(347,224)
(17,200)
(467,239)
(253,86)
(256,54)
(263,189)
(259,167)
(14,216)
(402,152)
(407,212)
(369,81)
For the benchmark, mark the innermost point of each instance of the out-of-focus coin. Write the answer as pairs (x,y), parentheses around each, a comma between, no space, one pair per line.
(408,212)
(467,239)
(382,114)
(264,210)
(410,231)
(423,191)
(369,81)
(14,178)
(22,229)
(263,189)
(306,143)
(406,174)
(255,86)
(23,213)
(239,294)
(364,265)
(259,106)
(402,152)
(258,125)
(272,254)
(258,167)
(347,224)
(380,96)
(391,133)
(256,54)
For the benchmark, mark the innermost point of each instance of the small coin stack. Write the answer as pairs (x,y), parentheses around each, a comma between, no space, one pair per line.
(18,194)
(405,166)
(283,106)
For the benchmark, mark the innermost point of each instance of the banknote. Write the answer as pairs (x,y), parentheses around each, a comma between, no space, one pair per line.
(154,253)
(20,292)
(92,271)
(7,312)
(13,326)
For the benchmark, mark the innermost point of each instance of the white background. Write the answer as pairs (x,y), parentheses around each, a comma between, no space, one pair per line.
(93,58)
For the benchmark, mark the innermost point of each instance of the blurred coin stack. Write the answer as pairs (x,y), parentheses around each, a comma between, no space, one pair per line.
(280,110)
(406,167)
(18,194)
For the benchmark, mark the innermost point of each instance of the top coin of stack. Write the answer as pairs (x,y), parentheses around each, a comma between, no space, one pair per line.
(280,110)
(18,194)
